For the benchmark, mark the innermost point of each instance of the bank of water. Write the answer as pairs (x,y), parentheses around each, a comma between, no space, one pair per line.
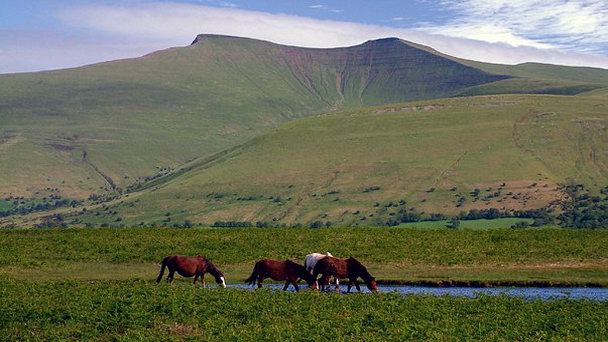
(545,293)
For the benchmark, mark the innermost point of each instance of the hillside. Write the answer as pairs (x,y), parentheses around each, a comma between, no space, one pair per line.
(100,128)
(348,167)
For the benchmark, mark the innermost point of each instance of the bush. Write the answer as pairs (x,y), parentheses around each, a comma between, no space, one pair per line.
(316,224)
(521,224)
(231,224)
(453,224)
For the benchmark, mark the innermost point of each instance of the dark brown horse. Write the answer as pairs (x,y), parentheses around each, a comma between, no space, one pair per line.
(188,266)
(287,270)
(350,269)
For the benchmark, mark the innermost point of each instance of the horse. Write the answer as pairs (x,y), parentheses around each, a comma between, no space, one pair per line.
(188,266)
(278,270)
(349,268)
(311,260)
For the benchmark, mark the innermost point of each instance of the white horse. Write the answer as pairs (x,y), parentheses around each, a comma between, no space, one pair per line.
(311,260)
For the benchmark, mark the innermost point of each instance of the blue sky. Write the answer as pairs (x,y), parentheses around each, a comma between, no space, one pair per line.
(49,34)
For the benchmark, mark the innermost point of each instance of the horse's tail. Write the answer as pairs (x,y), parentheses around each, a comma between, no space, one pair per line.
(162,269)
(253,277)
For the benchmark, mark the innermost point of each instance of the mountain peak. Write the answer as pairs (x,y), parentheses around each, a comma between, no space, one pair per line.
(204,36)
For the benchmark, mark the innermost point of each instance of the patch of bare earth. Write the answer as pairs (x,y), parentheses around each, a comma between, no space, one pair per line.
(410,109)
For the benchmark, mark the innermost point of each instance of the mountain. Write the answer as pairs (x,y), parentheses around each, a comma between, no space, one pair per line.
(101,128)
(508,152)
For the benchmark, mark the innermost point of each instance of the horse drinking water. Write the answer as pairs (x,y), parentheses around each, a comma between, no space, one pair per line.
(349,268)
(188,266)
(287,271)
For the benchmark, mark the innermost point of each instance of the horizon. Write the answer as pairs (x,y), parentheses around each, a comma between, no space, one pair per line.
(78,33)
(287,45)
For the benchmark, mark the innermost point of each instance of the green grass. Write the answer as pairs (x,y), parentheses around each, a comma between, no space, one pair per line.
(319,168)
(73,129)
(551,255)
(540,71)
(99,284)
(125,120)
(531,86)
(233,246)
(135,310)
(603,92)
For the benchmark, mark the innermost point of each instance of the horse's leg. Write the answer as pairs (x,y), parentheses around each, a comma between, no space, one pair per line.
(295,284)
(357,285)
(203,281)
(171,275)
(326,284)
(195,278)
(350,285)
(337,285)
(286,285)
(260,280)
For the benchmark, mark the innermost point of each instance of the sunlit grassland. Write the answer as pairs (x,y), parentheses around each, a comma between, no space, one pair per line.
(430,154)
(555,256)
(142,310)
(100,284)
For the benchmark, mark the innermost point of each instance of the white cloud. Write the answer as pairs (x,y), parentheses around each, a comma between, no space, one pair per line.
(178,23)
(130,30)
(326,8)
(574,25)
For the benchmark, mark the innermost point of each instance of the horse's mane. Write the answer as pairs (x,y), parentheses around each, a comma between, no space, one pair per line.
(364,272)
(301,269)
(212,268)
(293,263)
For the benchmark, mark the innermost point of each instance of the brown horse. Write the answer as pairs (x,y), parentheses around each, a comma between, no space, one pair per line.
(188,266)
(349,268)
(287,270)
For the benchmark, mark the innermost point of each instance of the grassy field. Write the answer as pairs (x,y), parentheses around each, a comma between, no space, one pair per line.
(99,284)
(135,310)
(360,167)
(395,254)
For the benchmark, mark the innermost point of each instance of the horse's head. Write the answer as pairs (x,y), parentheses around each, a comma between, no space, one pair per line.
(309,278)
(217,274)
(220,280)
(372,285)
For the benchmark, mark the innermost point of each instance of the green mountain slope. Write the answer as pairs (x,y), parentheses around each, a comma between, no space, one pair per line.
(432,155)
(602,92)
(547,72)
(101,128)
(106,126)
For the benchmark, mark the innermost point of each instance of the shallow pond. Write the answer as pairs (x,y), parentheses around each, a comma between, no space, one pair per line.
(592,293)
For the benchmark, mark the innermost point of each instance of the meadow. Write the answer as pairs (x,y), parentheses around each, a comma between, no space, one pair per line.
(138,310)
(99,284)
(393,254)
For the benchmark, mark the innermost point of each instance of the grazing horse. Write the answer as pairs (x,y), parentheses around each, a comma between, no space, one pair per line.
(349,268)
(287,270)
(311,260)
(188,266)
